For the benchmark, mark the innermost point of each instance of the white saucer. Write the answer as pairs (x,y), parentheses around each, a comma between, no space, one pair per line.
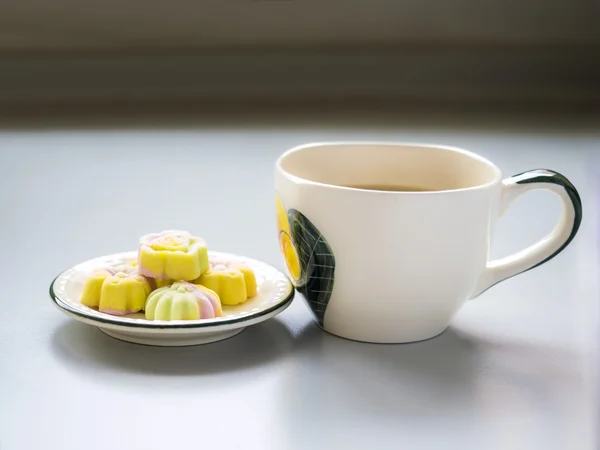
(275,293)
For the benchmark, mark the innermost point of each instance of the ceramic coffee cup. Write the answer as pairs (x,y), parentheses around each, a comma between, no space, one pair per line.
(386,241)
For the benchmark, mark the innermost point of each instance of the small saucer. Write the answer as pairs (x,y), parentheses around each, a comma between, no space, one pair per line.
(275,293)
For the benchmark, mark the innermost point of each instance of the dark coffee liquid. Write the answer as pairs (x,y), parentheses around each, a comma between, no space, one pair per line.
(389,187)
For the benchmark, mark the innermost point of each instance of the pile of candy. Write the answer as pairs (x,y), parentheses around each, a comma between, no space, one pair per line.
(173,278)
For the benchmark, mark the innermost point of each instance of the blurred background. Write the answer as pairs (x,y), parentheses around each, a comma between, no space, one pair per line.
(124,117)
(525,53)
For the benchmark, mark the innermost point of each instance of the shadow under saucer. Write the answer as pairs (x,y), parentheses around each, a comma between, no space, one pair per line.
(82,347)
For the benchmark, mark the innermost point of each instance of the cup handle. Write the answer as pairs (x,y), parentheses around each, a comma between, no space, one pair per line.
(548,247)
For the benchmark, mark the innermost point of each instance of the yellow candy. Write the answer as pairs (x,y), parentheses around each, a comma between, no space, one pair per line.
(162,282)
(233,282)
(123,294)
(91,290)
(172,254)
(230,286)
(249,279)
(116,290)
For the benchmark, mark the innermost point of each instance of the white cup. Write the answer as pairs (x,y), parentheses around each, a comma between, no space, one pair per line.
(395,266)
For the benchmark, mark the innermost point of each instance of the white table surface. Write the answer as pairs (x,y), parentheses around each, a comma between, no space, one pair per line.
(514,371)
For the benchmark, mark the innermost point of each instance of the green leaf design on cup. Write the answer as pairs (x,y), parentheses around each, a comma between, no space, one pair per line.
(317,263)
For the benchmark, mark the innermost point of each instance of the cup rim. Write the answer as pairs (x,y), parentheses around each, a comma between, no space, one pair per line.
(497,178)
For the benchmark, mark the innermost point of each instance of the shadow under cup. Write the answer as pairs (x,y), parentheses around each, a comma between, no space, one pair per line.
(386,241)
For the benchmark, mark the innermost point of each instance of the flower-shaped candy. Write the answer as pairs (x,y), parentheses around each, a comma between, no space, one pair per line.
(233,281)
(172,254)
(155,283)
(116,290)
(183,301)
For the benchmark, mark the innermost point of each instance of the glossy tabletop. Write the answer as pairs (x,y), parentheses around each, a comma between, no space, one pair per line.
(516,369)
